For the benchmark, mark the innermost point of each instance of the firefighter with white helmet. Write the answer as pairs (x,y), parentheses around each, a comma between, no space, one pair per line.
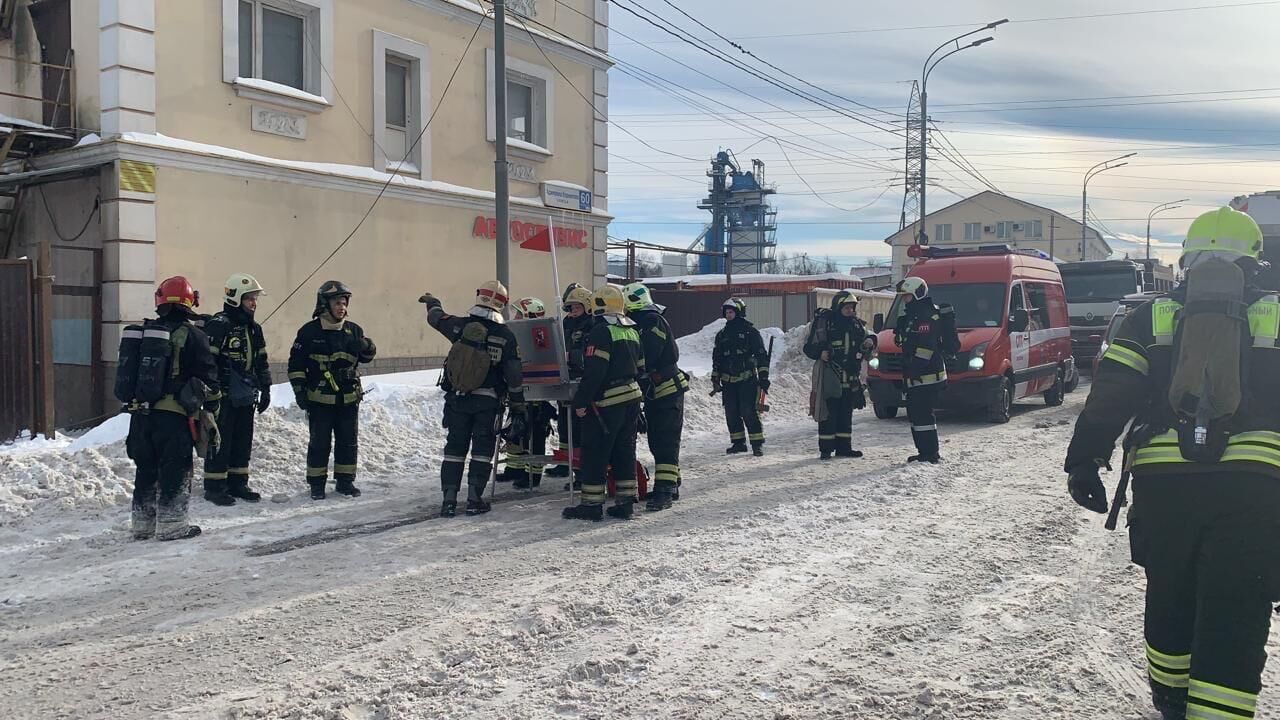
(1198,372)
(927,335)
(240,349)
(577,322)
(481,372)
(536,422)
(740,370)
(607,408)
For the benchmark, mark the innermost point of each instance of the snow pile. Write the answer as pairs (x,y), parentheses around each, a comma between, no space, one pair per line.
(401,438)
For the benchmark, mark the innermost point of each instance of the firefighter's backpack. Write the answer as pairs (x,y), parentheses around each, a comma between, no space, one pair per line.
(468,362)
(1210,344)
(146,354)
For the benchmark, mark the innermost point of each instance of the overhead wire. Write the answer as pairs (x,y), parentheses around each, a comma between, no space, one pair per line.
(815,192)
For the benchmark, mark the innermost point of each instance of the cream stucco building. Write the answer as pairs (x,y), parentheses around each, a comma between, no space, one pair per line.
(990,218)
(256,135)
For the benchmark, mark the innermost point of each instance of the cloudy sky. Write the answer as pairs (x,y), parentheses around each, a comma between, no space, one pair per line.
(1195,92)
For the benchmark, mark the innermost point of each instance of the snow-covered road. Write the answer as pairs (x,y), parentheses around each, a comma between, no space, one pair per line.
(779,587)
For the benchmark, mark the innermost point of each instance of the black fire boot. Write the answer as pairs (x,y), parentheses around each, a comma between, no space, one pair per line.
(675,491)
(215,491)
(931,459)
(622,511)
(527,482)
(449,508)
(848,453)
(575,486)
(557,471)
(757,450)
(190,532)
(660,498)
(317,488)
(346,486)
(240,489)
(594,513)
(737,447)
(476,504)
(824,455)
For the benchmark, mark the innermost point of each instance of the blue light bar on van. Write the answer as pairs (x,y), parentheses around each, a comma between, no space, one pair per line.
(925,251)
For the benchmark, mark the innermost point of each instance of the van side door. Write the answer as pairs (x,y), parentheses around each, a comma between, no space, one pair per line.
(1042,368)
(1019,338)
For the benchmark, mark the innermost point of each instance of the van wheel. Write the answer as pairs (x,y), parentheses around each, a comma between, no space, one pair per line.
(1001,402)
(1073,382)
(1053,396)
(885,412)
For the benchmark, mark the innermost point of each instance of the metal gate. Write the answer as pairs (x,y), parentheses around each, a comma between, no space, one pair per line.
(17,339)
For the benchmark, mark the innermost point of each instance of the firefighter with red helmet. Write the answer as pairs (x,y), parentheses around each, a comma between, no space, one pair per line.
(168,382)
(324,372)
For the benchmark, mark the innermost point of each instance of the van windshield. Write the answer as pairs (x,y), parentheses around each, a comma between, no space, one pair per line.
(977,304)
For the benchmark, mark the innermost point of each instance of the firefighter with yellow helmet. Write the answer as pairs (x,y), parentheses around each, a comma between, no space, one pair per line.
(577,323)
(1198,372)
(240,349)
(607,407)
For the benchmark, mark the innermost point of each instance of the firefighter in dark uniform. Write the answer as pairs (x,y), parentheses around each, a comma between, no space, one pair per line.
(664,385)
(1206,531)
(840,338)
(578,322)
(323,369)
(740,369)
(927,334)
(160,441)
(607,408)
(536,422)
(244,387)
(473,418)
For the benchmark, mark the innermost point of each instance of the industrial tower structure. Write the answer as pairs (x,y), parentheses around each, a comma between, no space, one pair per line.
(915,151)
(742,220)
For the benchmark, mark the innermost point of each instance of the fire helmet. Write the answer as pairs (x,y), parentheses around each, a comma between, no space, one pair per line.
(239,285)
(177,291)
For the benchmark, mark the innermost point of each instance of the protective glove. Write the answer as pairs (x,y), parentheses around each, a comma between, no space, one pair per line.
(301,399)
(1086,488)
(368,351)
(264,399)
(642,424)
(764,383)
(431,301)
(715,385)
(859,398)
(519,424)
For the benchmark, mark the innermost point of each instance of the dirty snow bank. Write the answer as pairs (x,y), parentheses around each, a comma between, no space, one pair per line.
(401,438)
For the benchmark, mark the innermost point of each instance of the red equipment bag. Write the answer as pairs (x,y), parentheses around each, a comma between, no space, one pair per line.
(642,475)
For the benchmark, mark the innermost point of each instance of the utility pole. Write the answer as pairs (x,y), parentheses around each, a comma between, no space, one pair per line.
(501,189)
(1098,169)
(1053,225)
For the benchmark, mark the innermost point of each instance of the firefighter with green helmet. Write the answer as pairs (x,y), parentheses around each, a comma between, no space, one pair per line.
(1198,372)
(606,407)
(240,349)
(324,372)
(664,385)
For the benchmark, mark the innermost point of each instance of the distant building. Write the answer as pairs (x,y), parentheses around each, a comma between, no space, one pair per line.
(1264,208)
(990,218)
(873,276)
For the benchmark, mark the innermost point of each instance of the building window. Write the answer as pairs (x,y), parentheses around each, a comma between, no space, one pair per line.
(1035,229)
(1004,230)
(401,104)
(530,99)
(276,50)
(973,231)
(942,233)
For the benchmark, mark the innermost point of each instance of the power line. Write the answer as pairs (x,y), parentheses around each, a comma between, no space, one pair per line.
(391,177)
(815,192)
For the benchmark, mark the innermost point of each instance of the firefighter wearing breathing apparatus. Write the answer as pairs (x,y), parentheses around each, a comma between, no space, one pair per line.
(534,425)
(1198,372)
(664,385)
(168,381)
(606,407)
(577,323)
(323,370)
(838,338)
(481,372)
(240,349)
(740,370)
(927,334)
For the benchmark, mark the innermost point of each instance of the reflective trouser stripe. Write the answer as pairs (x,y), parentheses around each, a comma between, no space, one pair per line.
(594,494)
(924,428)
(757,437)
(214,475)
(344,469)
(667,472)
(1220,700)
(1173,662)
(738,436)
(1168,679)
(826,437)
(238,471)
(844,435)
(1195,711)
(317,472)
(455,459)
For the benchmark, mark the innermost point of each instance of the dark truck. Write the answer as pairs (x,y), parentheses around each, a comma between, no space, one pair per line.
(1094,290)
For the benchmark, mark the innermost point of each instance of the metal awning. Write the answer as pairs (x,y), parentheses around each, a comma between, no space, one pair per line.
(51,175)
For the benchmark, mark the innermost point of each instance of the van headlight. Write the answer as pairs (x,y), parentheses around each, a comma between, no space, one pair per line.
(874,363)
(976,361)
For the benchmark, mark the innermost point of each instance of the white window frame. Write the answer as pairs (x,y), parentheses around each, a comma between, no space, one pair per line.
(1004,230)
(1035,228)
(318,15)
(418,57)
(941,233)
(977,231)
(544,105)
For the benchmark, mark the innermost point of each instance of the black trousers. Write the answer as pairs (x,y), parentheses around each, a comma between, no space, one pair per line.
(534,443)
(666,424)
(740,411)
(471,420)
(836,432)
(161,447)
(335,427)
(924,423)
(609,440)
(1211,547)
(230,467)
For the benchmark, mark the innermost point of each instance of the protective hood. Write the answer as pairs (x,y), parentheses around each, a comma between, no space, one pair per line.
(485,313)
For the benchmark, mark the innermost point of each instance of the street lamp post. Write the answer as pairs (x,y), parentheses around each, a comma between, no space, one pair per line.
(929,64)
(1156,211)
(1084,193)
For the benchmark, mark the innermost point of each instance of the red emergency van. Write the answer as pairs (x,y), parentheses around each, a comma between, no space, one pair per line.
(1015,333)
